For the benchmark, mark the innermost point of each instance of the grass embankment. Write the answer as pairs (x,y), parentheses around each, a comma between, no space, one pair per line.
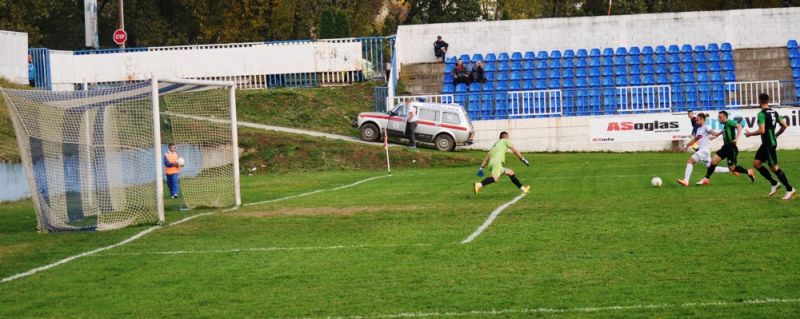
(8,142)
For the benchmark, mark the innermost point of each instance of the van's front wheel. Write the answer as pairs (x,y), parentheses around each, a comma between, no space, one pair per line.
(444,143)
(370,132)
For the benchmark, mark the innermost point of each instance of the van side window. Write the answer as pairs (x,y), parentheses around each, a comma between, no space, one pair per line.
(450,118)
(427,114)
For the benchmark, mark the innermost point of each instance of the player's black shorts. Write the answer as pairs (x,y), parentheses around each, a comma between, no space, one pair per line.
(767,154)
(729,152)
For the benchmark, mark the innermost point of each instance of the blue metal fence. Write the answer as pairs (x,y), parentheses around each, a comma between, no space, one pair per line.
(381,92)
(41,64)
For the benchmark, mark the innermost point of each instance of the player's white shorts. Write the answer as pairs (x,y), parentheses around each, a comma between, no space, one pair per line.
(702,156)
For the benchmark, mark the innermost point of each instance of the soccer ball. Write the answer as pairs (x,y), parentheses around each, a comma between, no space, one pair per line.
(656,181)
(181,162)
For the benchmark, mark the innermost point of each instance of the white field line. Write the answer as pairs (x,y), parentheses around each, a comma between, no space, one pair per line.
(263,249)
(491,219)
(149,230)
(531,311)
(315,192)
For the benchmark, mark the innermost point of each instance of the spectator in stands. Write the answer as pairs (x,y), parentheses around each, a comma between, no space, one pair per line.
(440,49)
(412,115)
(31,72)
(477,75)
(388,68)
(460,73)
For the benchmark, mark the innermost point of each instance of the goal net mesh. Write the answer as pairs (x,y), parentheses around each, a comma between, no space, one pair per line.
(89,156)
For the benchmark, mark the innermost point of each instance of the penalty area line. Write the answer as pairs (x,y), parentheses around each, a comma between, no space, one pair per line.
(491,219)
(264,249)
(151,229)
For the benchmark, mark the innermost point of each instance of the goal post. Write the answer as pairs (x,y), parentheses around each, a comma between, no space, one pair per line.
(94,159)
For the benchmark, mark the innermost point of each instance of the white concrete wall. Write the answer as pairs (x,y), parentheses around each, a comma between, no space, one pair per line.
(576,134)
(237,61)
(754,28)
(14,56)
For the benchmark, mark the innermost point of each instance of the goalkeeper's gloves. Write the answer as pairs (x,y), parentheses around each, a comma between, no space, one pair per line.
(480,172)
(525,161)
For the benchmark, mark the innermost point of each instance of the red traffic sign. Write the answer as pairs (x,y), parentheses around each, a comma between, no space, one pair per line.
(120,36)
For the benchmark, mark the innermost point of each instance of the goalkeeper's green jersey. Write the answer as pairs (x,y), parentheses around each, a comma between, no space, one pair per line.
(497,153)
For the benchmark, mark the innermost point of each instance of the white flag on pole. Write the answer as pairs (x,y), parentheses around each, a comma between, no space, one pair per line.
(90,21)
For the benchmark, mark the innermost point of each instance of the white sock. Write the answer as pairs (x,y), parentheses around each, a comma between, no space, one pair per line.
(688,174)
(721,169)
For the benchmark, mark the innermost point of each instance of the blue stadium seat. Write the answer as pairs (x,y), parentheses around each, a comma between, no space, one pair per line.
(687,68)
(662,79)
(673,58)
(795,63)
(716,77)
(529,56)
(488,87)
(691,94)
(594,82)
(581,63)
(489,76)
(647,50)
(555,54)
(661,50)
(460,98)
(609,100)
(648,59)
(474,109)
(502,86)
(700,57)
(540,84)
(701,67)
(634,59)
(608,61)
(527,85)
(502,67)
(713,56)
(620,70)
(634,51)
(648,69)
(795,74)
(515,76)
(568,73)
(582,102)
(489,67)
(727,56)
(726,47)
(516,56)
(608,52)
(594,52)
(581,72)
(541,55)
(620,60)
(674,68)
(501,104)
(528,65)
(516,66)
(687,58)
(568,83)
(634,70)
(541,74)
(661,69)
(477,57)
(451,60)
(699,48)
(490,58)
(554,74)
(448,89)
(635,80)
(674,49)
(794,53)
(502,76)
(503,57)
(553,63)
(487,105)
(712,47)
(541,64)
(527,75)
(448,68)
(608,71)
(461,88)
(581,83)
(594,62)
(569,54)
(608,81)
(687,77)
(553,83)
(514,86)
(791,44)
(568,63)
(686,48)
(715,66)
(729,76)
(702,77)
(448,78)
(661,59)
(728,66)
(675,79)
(621,81)
(465,58)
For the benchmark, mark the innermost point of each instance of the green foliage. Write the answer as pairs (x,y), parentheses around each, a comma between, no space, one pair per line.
(333,23)
(441,11)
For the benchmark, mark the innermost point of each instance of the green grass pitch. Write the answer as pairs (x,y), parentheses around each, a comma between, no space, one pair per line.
(592,239)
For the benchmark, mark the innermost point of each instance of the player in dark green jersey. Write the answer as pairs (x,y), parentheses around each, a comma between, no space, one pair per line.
(768,120)
(731,131)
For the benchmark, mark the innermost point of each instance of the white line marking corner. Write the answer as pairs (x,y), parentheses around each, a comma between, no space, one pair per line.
(491,219)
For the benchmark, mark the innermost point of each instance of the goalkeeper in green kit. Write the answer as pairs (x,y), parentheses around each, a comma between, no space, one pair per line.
(495,159)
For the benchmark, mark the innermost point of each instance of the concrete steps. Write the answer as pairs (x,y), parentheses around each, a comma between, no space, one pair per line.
(762,64)
(424,78)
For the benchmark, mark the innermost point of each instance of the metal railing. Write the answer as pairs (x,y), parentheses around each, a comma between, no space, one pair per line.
(745,94)
(381,93)
(647,98)
(393,101)
(535,103)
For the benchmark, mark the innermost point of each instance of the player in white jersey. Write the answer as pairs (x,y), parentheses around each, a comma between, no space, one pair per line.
(702,136)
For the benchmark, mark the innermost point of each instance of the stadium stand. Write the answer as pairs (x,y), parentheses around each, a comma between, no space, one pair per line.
(591,78)
(793,52)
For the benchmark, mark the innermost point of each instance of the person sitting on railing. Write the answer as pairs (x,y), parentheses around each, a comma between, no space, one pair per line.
(440,49)
(477,75)
(460,73)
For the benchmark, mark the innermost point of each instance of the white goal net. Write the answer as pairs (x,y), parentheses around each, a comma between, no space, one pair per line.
(94,159)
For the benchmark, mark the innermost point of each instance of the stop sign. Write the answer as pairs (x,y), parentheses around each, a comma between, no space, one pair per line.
(120,36)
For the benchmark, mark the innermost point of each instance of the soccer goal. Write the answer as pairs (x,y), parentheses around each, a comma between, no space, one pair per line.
(93,159)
